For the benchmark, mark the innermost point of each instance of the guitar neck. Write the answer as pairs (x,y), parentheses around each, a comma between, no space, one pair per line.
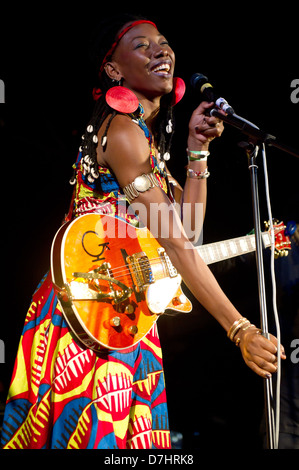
(219,251)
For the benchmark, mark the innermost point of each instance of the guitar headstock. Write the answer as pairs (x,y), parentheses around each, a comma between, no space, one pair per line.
(282,240)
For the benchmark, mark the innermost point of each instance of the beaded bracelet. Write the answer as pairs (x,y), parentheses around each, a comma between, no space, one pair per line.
(199,175)
(197,155)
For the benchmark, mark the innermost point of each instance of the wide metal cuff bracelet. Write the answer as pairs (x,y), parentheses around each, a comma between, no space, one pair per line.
(140,185)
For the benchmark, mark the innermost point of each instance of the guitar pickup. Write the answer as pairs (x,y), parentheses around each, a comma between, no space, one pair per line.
(141,270)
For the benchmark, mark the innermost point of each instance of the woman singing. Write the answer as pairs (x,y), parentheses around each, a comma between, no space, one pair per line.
(63,394)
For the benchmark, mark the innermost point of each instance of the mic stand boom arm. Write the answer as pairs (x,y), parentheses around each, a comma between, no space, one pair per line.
(257,137)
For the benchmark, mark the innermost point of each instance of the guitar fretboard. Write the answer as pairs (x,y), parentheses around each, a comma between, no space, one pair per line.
(219,251)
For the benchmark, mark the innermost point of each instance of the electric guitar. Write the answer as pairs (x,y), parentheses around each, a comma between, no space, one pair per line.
(114,280)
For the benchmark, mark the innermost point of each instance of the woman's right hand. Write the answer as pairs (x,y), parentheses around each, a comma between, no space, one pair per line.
(259,353)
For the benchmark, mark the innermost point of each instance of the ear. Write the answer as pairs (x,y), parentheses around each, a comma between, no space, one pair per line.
(113,71)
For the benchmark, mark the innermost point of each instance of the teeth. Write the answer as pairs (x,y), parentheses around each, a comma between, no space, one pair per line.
(164,67)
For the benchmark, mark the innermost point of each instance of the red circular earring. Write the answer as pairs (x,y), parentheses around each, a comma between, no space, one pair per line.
(122,99)
(179,88)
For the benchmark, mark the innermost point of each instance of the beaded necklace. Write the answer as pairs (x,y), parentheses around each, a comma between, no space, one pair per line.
(159,167)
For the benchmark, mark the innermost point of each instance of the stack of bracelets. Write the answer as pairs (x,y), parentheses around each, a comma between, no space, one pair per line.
(241,324)
(197,156)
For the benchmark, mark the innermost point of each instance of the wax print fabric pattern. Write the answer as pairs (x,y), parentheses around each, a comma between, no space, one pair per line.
(66,396)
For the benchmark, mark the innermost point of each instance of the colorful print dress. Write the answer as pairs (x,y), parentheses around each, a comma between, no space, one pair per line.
(64,395)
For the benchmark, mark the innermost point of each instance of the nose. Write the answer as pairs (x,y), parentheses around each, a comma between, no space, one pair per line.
(160,51)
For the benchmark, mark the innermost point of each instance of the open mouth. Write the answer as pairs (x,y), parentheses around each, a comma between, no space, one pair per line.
(162,69)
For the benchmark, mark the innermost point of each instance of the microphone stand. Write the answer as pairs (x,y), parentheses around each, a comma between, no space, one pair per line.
(268,390)
(256,138)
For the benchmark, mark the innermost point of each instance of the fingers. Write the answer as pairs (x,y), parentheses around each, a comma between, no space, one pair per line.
(205,127)
(260,353)
(265,367)
(203,107)
(273,340)
(210,127)
(265,374)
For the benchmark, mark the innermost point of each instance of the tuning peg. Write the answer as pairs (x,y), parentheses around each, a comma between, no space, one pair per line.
(280,253)
(267,223)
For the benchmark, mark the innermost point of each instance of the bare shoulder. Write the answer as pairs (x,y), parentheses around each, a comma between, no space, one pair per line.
(127,150)
(124,139)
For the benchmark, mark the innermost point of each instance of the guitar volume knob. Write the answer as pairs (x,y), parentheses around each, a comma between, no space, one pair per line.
(115,321)
(129,309)
(132,330)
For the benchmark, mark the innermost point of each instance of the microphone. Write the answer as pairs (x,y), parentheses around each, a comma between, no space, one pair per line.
(201,83)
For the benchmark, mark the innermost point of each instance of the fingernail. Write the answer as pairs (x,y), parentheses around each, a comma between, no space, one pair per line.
(268,376)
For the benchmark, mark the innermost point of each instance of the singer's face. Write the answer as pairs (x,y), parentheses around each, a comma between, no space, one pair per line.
(145,61)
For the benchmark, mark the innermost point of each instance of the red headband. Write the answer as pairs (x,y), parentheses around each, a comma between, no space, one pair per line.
(121,34)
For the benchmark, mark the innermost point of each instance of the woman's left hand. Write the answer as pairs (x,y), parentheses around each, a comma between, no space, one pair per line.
(203,128)
(260,353)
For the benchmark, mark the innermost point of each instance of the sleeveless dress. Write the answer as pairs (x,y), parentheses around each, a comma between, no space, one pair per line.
(65,396)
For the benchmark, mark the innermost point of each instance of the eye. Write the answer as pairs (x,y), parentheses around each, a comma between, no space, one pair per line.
(141,44)
(164,41)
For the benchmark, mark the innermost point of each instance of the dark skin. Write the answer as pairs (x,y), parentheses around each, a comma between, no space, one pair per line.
(145,62)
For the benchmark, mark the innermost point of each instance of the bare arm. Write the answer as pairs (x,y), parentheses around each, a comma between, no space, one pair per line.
(202,131)
(127,156)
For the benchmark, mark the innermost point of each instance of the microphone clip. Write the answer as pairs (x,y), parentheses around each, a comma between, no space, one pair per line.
(222,104)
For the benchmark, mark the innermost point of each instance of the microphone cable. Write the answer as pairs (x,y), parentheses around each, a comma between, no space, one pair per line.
(274,303)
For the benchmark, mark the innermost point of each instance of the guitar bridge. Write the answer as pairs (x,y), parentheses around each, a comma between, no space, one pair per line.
(141,270)
(97,284)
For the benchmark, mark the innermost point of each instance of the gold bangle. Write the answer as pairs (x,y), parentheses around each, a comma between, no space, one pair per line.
(236,327)
(238,340)
(247,327)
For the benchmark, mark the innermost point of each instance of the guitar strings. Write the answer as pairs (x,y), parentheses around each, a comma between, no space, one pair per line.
(146,262)
(144,265)
(121,272)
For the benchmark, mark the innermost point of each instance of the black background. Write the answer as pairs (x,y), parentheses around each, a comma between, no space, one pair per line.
(250,54)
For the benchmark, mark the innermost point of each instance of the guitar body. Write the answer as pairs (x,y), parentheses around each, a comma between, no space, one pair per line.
(112,281)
